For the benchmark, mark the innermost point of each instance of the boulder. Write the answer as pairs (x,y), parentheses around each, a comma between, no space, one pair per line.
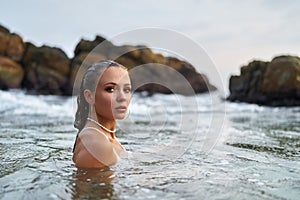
(15,47)
(88,46)
(283,74)
(4,40)
(11,45)
(3,29)
(275,83)
(246,86)
(11,73)
(47,70)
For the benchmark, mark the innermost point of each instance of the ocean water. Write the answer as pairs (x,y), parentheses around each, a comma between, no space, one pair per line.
(197,147)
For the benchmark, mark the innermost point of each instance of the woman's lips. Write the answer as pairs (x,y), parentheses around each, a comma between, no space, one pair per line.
(121,109)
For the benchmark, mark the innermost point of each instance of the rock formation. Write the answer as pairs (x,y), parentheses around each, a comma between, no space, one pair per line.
(178,77)
(275,83)
(48,70)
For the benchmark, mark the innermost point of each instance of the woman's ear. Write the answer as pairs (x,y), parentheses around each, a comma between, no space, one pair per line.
(89,96)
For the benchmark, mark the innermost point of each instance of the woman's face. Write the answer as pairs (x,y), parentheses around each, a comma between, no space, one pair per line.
(112,95)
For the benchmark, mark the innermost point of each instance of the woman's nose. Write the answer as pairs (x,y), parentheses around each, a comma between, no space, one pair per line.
(121,96)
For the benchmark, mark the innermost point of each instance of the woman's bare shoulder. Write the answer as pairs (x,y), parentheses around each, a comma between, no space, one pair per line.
(94,143)
(94,136)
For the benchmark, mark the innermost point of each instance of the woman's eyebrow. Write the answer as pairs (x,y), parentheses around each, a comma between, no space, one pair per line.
(113,83)
(110,83)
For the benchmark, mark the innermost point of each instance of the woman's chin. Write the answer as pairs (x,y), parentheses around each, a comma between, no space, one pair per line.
(120,116)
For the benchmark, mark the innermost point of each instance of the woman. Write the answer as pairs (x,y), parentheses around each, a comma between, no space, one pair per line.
(104,98)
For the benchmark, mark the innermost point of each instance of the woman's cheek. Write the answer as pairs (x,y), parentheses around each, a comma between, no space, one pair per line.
(104,102)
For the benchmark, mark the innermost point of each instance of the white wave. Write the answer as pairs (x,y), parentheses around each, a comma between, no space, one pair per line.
(17,102)
(175,104)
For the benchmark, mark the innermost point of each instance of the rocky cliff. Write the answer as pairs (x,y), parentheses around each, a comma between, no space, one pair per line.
(48,70)
(275,83)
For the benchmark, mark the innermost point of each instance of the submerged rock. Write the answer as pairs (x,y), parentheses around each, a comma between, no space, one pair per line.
(275,83)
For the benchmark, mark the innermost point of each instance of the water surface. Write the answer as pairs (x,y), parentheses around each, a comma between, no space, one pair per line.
(256,156)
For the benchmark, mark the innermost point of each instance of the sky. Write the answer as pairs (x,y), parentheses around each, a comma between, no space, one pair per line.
(232,32)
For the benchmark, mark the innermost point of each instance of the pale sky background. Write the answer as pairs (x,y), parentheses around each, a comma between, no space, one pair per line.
(232,32)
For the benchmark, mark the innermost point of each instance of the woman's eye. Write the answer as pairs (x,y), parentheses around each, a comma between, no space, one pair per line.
(127,90)
(110,89)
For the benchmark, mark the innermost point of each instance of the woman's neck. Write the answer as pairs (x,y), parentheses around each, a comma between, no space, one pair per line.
(109,124)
